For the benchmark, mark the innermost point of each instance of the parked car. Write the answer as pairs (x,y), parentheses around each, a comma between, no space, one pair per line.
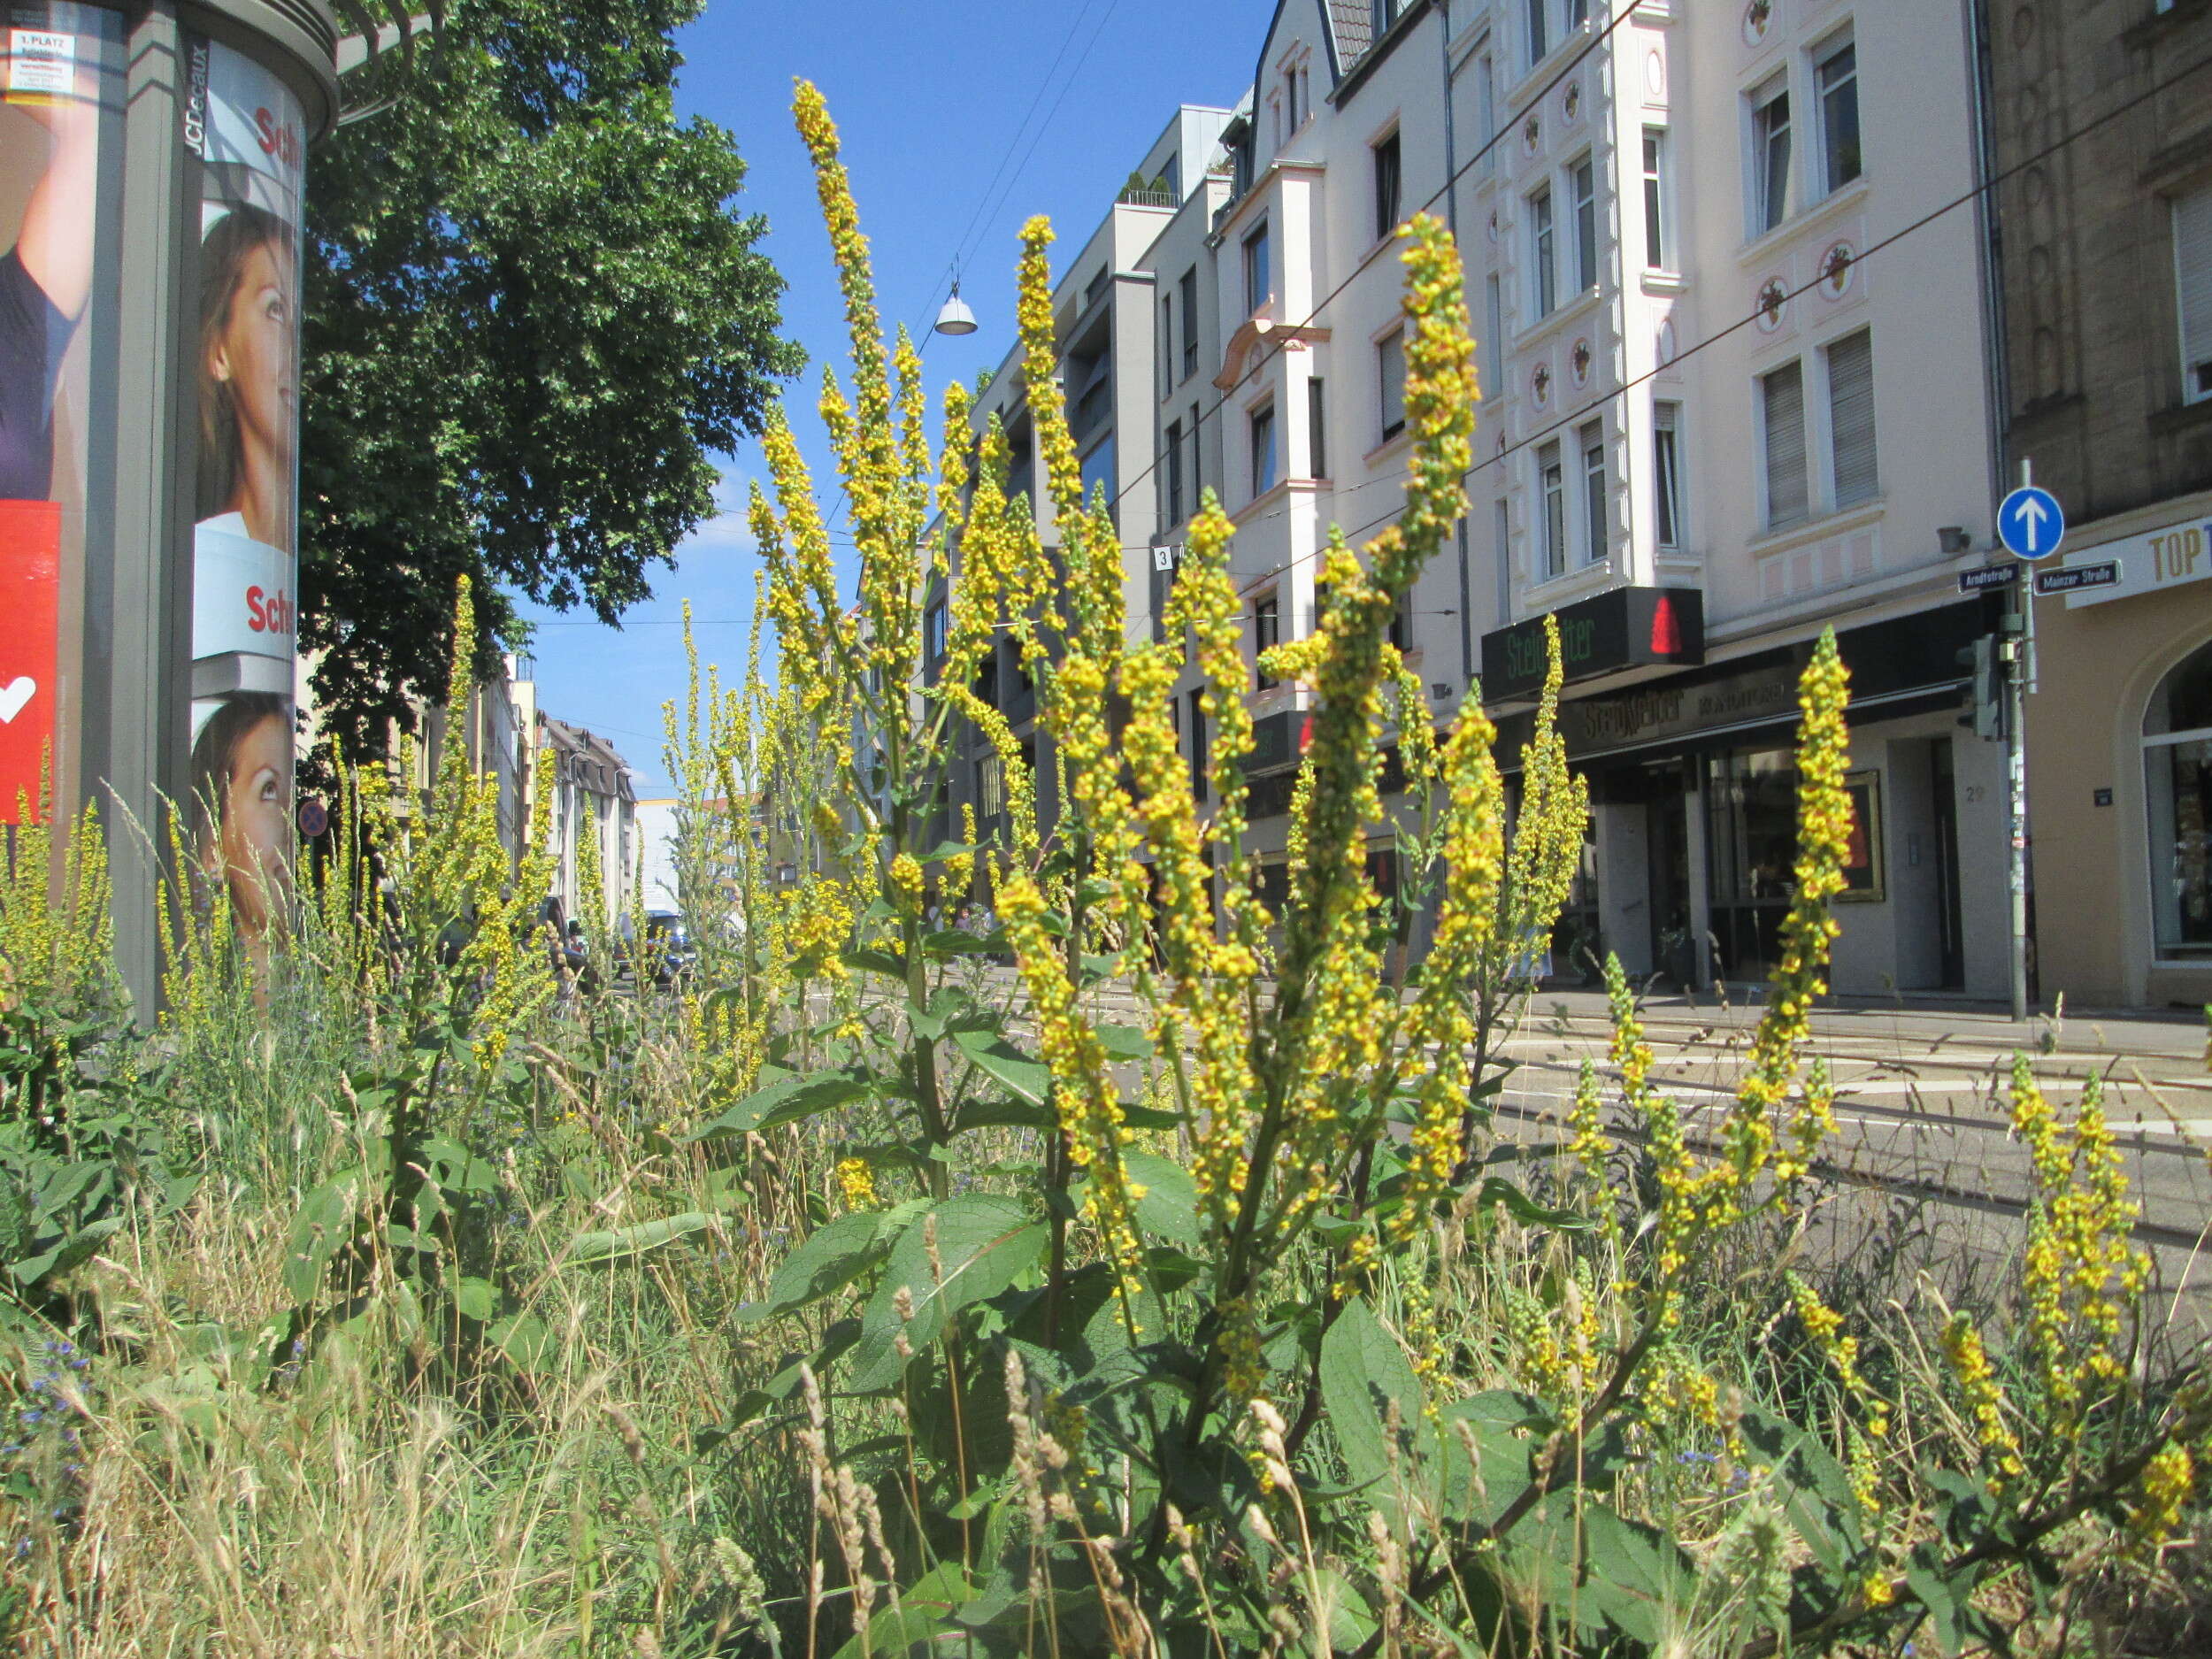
(669,952)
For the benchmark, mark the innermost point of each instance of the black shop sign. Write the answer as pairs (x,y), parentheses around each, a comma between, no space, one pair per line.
(1626,627)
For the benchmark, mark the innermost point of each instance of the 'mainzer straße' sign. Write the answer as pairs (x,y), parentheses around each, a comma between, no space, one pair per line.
(1626,627)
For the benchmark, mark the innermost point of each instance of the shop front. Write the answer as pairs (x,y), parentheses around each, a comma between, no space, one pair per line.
(1694,790)
(2120,762)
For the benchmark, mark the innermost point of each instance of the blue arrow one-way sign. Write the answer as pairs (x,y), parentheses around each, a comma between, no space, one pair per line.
(2031,523)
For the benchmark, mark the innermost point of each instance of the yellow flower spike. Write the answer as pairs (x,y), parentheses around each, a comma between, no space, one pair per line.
(857,1182)
(1985,1398)
(2163,1492)
(1824,1325)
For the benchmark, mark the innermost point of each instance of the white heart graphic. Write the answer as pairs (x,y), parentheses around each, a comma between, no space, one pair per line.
(17,691)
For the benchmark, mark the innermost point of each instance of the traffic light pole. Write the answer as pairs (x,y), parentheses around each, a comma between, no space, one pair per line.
(2019,647)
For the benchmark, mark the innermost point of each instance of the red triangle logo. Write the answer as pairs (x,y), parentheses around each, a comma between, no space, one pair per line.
(1666,631)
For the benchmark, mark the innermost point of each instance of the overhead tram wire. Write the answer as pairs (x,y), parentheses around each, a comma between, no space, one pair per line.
(1895,236)
(1626,11)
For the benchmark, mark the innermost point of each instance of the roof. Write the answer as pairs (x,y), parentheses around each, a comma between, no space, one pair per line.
(588,758)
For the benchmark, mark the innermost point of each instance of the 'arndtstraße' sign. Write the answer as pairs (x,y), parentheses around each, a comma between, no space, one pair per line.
(1624,627)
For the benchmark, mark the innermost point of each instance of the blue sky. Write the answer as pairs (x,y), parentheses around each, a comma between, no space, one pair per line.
(929,98)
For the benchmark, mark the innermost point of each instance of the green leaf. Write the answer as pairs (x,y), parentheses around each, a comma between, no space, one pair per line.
(1575,1556)
(1170,1205)
(73,1251)
(869,960)
(1497,1190)
(984,1243)
(476,1298)
(621,1243)
(1000,1060)
(827,1260)
(1362,1370)
(786,1100)
(525,1341)
(324,1223)
(1123,1042)
(1507,1429)
(1007,1114)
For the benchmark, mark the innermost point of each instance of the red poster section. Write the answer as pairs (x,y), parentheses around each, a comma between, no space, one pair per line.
(30,587)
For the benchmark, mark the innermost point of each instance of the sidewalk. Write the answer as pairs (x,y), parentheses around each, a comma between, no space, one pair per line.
(2164,1033)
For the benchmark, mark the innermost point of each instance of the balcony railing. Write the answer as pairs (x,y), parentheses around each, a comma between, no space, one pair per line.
(1131,197)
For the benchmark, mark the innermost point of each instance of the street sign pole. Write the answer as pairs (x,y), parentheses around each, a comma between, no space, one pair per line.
(2016,680)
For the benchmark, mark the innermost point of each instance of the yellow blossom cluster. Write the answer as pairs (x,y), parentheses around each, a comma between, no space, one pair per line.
(1985,1398)
(857,1182)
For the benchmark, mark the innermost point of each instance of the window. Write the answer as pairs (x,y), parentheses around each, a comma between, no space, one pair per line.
(1173,444)
(1539,30)
(1167,344)
(1262,449)
(1256,278)
(1851,418)
(934,620)
(1189,288)
(1655,226)
(1320,605)
(1493,342)
(1098,476)
(1553,482)
(1293,112)
(1316,432)
(1836,79)
(1267,632)
(1577,13)
(1596,543)
(2178,791)
(1782,417)
(1200,751)
(1390,372)
(1386,186)
(2193,282)
(1486,115)
(1385,14)
(990,787)
(1197,462)
(1585,224)
(1401,622)
(1770,157)
(1539,251)
(1666,472)
(1501,544)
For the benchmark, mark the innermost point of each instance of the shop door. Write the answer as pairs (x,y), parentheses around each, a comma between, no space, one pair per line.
(1948,914)
(1751,848)
(1667,844)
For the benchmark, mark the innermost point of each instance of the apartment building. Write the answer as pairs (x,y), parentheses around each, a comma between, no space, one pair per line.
(1107,328)
(2101,112)
(594,797)
(1723,408)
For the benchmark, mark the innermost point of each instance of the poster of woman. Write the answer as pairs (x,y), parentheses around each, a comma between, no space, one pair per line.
(246,366)
(57,108)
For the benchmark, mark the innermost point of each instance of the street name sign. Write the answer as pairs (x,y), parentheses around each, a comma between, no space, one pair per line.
(1988,576)
(2031,523)
(2077,576)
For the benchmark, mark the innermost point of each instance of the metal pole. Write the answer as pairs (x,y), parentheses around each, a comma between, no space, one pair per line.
(2016,671)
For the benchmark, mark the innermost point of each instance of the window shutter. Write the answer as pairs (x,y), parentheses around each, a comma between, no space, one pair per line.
(2192,266)
(1784,408)
(1851,414)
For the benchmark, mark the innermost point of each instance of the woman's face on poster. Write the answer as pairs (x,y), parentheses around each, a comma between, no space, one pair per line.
(255,837)
(253,354)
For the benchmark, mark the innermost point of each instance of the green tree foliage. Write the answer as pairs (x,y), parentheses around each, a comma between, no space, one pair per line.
(531,315)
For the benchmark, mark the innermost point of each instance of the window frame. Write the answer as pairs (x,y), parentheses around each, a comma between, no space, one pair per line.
(2194,345)
(1669,498)
(1597,540)
(1267,632)
(1821,56)
(1259,276)
(1771,523)
(1201,752)
(1390,389)
(1389,183)
(1317,427)
(1551,507)
(1189,289)
(1658,201)
(1768,213)
(1173,445)
(1542,249)
(1582,180)
(1536,18)
(1261,418)
(1834,435)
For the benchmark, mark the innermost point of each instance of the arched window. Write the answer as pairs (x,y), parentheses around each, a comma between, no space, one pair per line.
(2177,790)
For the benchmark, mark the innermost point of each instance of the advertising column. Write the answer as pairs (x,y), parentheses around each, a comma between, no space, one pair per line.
(245,126)
(59,121)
